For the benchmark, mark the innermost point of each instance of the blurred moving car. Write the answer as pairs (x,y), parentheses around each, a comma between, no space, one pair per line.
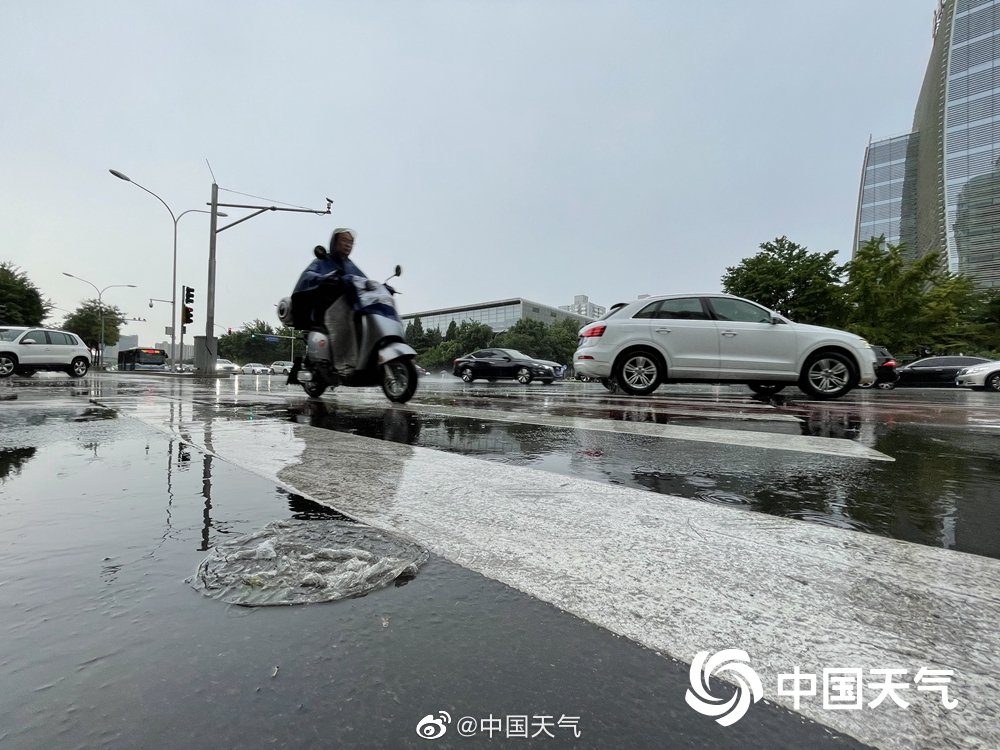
(984,376)
(719,338)
(935,371)
(421,371)
(24,350)
(281,367)
(505,364)
(885,369)
(224,365)
(255,368)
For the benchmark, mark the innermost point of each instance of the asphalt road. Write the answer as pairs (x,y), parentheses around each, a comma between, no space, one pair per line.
(585,548)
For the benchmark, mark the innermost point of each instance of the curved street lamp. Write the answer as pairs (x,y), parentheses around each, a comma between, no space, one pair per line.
(100,304)
(176,218)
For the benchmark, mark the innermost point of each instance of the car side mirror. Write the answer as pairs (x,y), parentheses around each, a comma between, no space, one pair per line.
(505,359)
(319,251)
(775,320)
(28,341)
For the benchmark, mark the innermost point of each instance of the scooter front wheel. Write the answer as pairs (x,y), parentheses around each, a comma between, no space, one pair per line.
(315,387)
(399,380)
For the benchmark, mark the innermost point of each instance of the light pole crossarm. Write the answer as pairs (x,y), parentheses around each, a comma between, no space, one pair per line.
(262,209)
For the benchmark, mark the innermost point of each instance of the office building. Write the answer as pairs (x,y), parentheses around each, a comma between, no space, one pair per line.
(499,315)
(938,188)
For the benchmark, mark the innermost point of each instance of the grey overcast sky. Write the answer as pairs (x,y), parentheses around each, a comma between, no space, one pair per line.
(495,149)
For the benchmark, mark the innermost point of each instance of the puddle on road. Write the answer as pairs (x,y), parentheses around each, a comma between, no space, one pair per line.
(940,491)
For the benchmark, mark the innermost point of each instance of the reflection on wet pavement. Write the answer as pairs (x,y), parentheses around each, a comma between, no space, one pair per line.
(945,498)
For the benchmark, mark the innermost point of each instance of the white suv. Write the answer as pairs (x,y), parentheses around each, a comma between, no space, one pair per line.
(719,338)
(24,350)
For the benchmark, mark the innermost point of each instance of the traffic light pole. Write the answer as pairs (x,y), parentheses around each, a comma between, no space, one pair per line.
(209,353)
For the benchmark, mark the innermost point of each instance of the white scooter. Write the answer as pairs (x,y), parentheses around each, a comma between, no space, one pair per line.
(383,356)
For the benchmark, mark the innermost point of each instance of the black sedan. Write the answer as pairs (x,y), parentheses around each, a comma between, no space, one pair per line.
(505,364)
(935,371)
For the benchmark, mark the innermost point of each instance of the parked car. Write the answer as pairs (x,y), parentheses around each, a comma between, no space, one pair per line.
(935,371)
(224,365)
(281,367)
(505,364)
(255,368)
(24,350)
(979,377)
(719,338)
(885,368)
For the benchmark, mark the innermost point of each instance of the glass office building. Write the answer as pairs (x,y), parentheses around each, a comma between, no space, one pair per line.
(887,204)
(499,315)
(949,189)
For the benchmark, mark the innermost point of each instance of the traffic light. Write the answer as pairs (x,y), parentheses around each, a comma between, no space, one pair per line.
(188,295)
(229,331)
(187,315)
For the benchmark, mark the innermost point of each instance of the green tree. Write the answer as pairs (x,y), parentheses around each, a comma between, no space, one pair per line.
(909,305)
(21,303)
(85,322)
(414,334)
(529,337)
(563,338)
(450,334)
(785,277)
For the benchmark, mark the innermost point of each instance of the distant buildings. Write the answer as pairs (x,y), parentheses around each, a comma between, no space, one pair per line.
(583,306)
(499,315)
(938,187)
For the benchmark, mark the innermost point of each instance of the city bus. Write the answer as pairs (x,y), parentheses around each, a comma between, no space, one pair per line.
(142,359)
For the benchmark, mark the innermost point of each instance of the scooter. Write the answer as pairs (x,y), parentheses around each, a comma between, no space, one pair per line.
(383,357)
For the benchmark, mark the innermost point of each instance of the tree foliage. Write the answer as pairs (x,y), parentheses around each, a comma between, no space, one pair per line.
(249,344)
(786,277)
(912,305)
(21,303)
(85,322)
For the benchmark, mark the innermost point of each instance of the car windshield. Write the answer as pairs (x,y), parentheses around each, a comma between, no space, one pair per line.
(9,334)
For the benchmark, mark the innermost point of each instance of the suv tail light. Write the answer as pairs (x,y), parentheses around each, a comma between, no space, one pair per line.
(889,363)
(589,333)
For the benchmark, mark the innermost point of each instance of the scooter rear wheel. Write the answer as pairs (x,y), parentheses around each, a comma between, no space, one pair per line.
(399,380)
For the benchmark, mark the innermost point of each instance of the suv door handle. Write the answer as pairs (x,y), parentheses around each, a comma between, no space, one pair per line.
(663,330)
(729,333)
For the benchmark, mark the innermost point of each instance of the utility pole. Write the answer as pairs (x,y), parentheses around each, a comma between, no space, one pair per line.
(208,351)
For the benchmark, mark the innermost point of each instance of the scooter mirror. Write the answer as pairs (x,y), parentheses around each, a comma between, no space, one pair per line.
(399,270)
(319,251)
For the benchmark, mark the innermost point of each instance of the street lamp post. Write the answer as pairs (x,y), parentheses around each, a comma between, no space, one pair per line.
(173,288)
(100,305)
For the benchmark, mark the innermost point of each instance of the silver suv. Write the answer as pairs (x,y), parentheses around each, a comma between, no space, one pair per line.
(719,338)
(24,350)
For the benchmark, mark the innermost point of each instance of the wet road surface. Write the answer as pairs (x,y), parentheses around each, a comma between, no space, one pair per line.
(102,644)
(258,423)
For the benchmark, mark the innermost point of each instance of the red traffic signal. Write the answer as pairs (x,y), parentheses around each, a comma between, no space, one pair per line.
(187,315)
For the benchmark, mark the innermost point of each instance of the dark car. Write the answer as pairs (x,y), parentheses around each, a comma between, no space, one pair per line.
(505,364)
(935,371)
(885,368)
